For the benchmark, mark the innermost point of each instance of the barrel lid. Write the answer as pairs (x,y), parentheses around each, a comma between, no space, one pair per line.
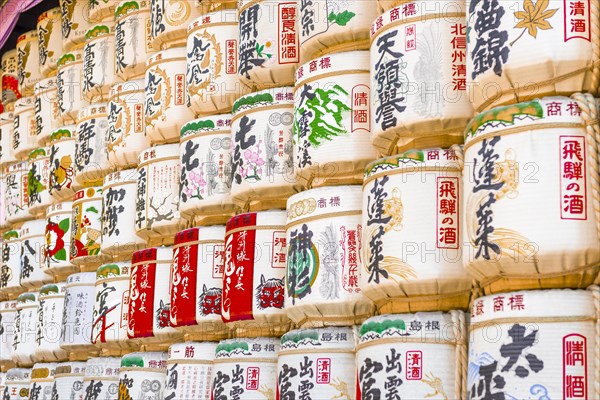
(426,326)
(50,14)
(29,35)
(27,299)
(52,289)
(346,200)
(113,270)
(70,367)
(102,367)
(43,371)
(322,339)
(67,131)
(358,61)
(88,278)
(192,351)
(415,160)
(154,360)
(263,98)
(18,375)
(215,232)
(254,219)
(247,348)
(215,123)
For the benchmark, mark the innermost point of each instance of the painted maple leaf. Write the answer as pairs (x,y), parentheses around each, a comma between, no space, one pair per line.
(534,17)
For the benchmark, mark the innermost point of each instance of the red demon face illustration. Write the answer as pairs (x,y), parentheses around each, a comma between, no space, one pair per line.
(162,315)
(270,293)
(210,301)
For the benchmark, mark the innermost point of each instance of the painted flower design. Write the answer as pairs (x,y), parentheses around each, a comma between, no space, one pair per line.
(253,164)
(196,185)
(55,233)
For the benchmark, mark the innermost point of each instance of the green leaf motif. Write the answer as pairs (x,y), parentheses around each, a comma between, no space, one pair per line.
(64,225)
(92,209)
(342,18)
(61,255)
(380,327)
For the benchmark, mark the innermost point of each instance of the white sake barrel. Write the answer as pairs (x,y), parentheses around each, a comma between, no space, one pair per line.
(46,110)
(78,313)
(118,216)
(419,96)
(10,77)
(263,161)
(213,84)
(166,106)
(254,275)
(75,23)
(34,269)
(8,313)
(332,112)
(58,239)
(157,204)
(205,151)
(332,26)
(317,364)
(133,39)
(17,384)
(535,342)
(413,356)
(28,55)
(62,169)
(190,370)
(38,181)
(269,42)
(101,378)
(10,270)
(169,22)
(142,376)
(99,62)
(26,329)
(7,125)
(252,359)
(68,380)
(2,382)
(197,283)
(70,85)
(111,306)
(324,265)
(24,138)
(86,229)
(49,29)
(507,248)
(50,314)
(91,159)
(412,249)
(3,222)
(102,10)
(126,137)
(150,298)
(42,380)
(17,201)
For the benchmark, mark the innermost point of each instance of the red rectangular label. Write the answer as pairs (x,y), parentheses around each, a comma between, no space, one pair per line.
(179,89)
(575,379)
(252,378)
(138,118)
(447,229)
(414,365)
(141,298)
(183,285)
(288,35)
(573,168)
(231,47)
(577,19)
(323,371)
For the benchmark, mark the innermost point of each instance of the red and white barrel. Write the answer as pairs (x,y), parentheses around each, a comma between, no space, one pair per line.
(102,10)
(17,384)
(75,23)
(10,77)
(126,137)
(412,231)
(213,84)
(49,40)
(263,162)
(68,380)
(142,375)
(205,156)
(157,204)
(8,314)
(133,38)
(61,185)
(34,269)
(338,83)
(317,364)
(78,313)
(26,329)
(197,282)
(166,105)
(86,229)
(58,239)
(254,359)
(118,216)
(101,378)
(111,306)
(418,356)
(10,269)
(50,314)
(28,55)
(506,245)
(324,260)
(91,160)
(99,62)
(333,26)
(38,181)
(42,380)
(190,370)
(169,22)
(7,126)
(254,276)
(17,201)
(70,85)
(46,110)
(419,93)
(150,298)
(269,42)
(542,342)
(24,138)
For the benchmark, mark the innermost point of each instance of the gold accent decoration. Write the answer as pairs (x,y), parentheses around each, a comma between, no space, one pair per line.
(301,208)
(436,384)
(342,388)
(180,12)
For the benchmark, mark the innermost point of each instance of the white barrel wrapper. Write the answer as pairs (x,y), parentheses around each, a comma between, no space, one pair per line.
(50,314)
(7,126)
(78,314)
(28,54)
(86,229)
(91,158)
(46,110)
(34,268)
(42,379)
(101,378)
(133,38)
(61,185)
(8,313)
(10,272)
(38,181)
(142,375)
(23,137)
(75,23)
(99,61)
(70,85)
(169,22)
(17,384)
(68,380)
(26,325)
(49,40)
(58,239)
(190,370)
